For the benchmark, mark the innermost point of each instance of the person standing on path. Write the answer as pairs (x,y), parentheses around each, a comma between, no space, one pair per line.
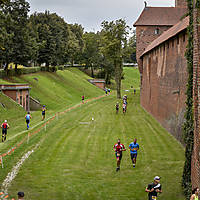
(134,147)
(43,112)
(154,188)
(83,98)
(195,194)
(117,108)
(4,127)
(124,108)
(28,118)
(118,148)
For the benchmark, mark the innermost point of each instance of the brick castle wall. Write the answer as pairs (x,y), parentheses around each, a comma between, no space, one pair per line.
(145,35)
(181,3)
(195,173)
(164,83)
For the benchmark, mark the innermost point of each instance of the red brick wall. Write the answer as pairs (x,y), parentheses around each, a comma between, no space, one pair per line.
(11,94)
(100,85)
(164,83)
(181,3)
(145,35)
(196,95)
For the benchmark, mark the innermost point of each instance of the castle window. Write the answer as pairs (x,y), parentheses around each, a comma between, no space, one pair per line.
(157,31)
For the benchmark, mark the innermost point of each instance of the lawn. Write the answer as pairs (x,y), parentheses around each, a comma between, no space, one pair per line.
(75,159)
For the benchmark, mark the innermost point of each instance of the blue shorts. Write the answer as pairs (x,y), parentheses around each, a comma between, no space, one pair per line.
(133,155)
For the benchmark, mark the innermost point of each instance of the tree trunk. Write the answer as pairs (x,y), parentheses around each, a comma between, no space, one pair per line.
(92,71)
(15,67)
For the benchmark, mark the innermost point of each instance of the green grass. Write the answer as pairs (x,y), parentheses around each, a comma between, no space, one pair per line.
(131,78)
(76,161)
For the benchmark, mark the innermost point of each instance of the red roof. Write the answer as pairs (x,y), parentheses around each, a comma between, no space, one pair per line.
(160,16)
(182,25)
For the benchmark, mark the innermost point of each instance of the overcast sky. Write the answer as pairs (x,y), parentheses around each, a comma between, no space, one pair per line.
(90,13)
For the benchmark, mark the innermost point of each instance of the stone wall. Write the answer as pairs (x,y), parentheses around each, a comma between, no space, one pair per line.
(164,83)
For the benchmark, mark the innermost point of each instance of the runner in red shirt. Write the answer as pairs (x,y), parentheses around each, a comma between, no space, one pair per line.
(4,127)
(118,148)
(83,98)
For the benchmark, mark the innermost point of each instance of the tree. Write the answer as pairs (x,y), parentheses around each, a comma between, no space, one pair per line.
(75,43)
(114,37)
(52,36)
(16,42)
(129,52)
(91,53)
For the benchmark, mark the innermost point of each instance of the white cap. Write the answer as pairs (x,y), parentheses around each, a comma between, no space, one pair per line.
(156,178)
(5,120)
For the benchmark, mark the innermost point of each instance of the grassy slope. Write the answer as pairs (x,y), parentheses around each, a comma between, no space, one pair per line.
(57,91)
(76,161)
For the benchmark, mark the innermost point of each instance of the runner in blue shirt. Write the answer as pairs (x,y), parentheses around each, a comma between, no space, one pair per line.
(134,147)
(28,117)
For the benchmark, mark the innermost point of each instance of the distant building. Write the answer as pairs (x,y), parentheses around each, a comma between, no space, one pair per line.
(98,82)
(18,92)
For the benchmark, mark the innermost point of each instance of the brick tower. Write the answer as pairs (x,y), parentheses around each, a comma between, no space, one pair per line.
(181,3)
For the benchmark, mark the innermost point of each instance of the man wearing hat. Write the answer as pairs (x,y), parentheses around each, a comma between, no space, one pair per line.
(154,188)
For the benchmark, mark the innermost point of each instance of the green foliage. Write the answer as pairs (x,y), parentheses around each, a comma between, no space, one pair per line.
(52,35)
(75,43)
(129,51)
(15,38)
(114,37)
(189,122)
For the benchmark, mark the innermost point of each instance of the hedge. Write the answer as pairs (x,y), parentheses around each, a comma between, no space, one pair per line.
(29,70)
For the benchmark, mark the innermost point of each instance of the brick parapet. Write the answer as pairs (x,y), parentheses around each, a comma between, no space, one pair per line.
(195,173)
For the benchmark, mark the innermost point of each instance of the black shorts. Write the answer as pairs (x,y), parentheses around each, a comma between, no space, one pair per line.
(4,131)
(133,155)
(27,121)
(43,113)
(118,155)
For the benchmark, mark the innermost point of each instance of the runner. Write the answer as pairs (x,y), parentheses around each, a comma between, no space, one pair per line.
(154,188)
(134,91)
(118,148)
(4,127)
(43,112)
(28,117)
(83,98)
(195,193)
(108,91)
(134,147)
(124,108)
(117,108)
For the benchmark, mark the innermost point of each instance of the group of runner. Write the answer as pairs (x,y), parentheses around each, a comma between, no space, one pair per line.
(107,91)
(5,126)
(124,105)
(152,189)
(119,148)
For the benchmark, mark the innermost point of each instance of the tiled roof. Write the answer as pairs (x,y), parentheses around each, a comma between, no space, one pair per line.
(160,16)
(182,25)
